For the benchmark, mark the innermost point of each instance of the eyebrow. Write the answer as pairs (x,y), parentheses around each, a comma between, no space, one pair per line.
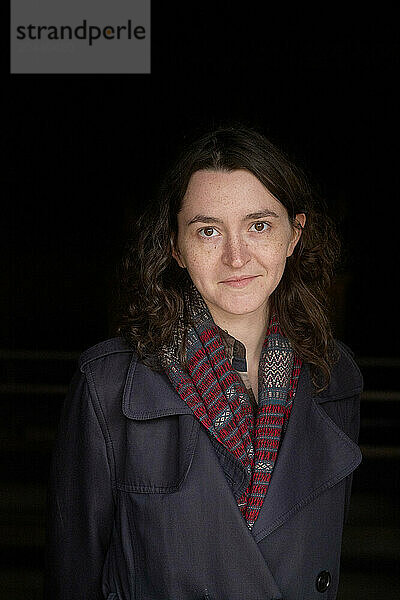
(256,215)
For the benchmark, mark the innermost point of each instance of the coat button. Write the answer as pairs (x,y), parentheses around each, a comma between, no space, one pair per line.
(323,581)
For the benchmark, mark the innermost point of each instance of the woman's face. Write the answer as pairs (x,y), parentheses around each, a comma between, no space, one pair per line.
(233,238)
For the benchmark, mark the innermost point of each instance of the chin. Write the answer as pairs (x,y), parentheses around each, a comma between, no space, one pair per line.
(242,308)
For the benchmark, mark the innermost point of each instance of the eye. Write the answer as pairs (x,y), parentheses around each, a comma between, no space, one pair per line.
(260,226)
(207,232)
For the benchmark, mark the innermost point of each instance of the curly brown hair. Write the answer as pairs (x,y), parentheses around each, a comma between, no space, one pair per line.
(152,284)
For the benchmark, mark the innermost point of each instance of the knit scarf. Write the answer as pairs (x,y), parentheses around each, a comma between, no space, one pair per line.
(218,398)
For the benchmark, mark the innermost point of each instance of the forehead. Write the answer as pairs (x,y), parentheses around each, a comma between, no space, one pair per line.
(236,191)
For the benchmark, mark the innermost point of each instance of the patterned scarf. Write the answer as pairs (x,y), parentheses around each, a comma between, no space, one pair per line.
(218,397)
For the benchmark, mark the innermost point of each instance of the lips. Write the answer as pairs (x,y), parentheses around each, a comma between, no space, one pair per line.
(239,282)
(233,279)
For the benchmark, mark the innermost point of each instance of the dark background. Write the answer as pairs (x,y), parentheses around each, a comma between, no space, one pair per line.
(84,153)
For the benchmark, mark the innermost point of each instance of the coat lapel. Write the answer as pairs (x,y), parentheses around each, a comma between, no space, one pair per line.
(314,455)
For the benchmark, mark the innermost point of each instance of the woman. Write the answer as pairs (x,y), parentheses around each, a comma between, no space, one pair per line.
(208,450)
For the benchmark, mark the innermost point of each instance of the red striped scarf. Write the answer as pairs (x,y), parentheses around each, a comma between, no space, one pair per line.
(218,398)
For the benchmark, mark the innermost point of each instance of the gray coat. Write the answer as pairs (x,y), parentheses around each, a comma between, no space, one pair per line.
(140,507)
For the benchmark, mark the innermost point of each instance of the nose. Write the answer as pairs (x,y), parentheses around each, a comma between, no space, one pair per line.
(235,253)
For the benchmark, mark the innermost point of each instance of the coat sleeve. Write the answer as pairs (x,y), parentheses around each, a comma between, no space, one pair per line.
(80,501)
(350,419)
(353,431)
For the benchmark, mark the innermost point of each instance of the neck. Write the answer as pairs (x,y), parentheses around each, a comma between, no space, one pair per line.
(250,329)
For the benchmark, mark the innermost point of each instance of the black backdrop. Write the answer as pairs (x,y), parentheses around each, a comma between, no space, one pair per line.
(83,153)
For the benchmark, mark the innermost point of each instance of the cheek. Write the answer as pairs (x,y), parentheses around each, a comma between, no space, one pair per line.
(274,255)
(199,260)
(274,265)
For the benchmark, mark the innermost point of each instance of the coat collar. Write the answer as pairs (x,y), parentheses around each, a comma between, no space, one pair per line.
(346,381)
(313,444)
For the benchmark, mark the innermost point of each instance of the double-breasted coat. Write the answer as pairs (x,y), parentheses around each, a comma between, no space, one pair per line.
(142,501)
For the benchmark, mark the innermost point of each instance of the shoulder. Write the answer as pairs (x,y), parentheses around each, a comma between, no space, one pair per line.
(105,368)
(346,377)
(106,365)
(113,364)
(115,349)
(118,380)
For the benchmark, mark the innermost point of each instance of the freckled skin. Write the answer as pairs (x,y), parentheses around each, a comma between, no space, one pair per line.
(213,252)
